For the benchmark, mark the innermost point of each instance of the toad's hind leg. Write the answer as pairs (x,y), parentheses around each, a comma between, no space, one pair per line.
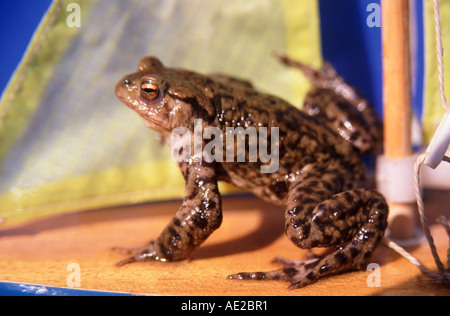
(352,221)
(363,222)
(333,101)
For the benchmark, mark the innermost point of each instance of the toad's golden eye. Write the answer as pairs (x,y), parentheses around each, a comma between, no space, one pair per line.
(149,90)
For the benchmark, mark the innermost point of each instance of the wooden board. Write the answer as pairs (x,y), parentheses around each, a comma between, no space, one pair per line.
(250,237)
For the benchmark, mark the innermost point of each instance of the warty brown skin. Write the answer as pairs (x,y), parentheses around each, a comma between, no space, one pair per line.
(320,177)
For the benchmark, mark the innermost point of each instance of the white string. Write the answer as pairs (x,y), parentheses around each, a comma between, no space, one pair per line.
(421,207)
(407,255)
(437,276)
(420,160)
(440,54)
(424,221)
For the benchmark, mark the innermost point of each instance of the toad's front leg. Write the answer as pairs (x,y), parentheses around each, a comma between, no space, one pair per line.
(199,215)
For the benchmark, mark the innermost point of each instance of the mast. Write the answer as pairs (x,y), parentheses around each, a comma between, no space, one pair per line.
(397,117)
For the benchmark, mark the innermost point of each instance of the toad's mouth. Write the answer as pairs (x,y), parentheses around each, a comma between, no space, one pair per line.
(154,124)
(154,120)
(151,117)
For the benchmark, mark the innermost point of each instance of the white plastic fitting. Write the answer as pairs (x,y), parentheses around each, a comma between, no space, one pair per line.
(395,178)
(439,144)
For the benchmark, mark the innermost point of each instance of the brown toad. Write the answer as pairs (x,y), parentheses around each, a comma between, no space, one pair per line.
(319,177)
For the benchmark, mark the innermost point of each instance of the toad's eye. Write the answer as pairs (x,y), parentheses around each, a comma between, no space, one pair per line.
(149,90)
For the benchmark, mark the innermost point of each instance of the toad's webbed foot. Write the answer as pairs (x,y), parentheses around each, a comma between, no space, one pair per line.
(294,271)
(150,253)
(302,273)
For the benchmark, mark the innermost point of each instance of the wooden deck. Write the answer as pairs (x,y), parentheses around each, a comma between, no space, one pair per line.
(250,237)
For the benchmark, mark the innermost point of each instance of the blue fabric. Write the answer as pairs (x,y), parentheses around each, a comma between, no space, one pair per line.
(18,20)
(355,49)
(347,42)
(22,289)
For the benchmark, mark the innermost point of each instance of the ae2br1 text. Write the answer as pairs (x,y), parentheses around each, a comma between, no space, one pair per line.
(229,305)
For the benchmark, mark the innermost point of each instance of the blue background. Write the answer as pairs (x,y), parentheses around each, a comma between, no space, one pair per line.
(347,42)
(18,20)
(355,49)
